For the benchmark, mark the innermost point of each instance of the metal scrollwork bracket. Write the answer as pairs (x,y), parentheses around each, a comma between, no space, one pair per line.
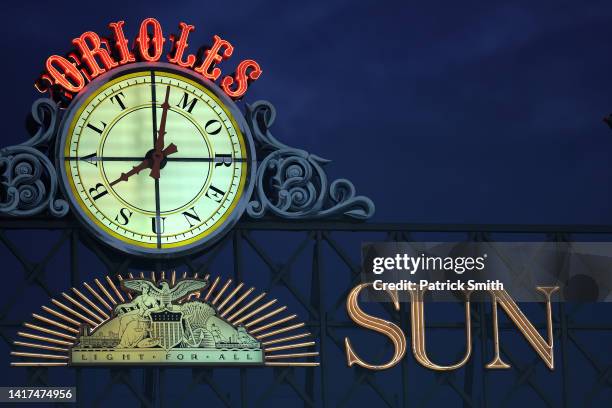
(29,183)
(291,183)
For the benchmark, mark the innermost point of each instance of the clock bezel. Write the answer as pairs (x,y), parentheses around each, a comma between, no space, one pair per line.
(231,218)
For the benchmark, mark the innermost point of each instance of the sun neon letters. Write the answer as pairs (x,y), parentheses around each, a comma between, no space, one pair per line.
(94,55)
(543,347)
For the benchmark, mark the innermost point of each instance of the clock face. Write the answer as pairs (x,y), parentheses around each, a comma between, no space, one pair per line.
(155,160)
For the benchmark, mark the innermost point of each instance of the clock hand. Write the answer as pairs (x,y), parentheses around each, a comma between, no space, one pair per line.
(158,157)
(157,198)
(160,153)
(159,142)
(171,148)
(145,164)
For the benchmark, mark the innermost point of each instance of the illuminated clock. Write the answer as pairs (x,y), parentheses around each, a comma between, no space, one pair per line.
(155,160)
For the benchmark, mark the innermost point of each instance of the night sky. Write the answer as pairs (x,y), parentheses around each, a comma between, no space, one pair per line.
(439,111)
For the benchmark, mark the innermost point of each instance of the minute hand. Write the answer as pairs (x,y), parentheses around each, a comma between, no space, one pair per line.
(159,142)
(160,153)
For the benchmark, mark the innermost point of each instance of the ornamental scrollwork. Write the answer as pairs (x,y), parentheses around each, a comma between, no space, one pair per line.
(291,183)
(29,183)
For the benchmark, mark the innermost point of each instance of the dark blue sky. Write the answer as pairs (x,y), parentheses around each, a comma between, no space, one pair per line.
(479,112)
(441,112)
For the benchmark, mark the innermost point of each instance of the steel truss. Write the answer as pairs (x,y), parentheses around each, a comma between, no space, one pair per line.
(313,265)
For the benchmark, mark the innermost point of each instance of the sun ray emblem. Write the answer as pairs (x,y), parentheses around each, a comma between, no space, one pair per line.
(163,320)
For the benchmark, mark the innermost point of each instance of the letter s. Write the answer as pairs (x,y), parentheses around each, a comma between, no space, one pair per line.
(392,331)
(480,263)
(241,78)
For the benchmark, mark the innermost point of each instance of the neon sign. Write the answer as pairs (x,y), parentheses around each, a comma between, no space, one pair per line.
(65,76)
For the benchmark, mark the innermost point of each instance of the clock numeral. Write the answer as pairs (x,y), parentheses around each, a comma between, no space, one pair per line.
(184,103)
(125,216)
(97,129)
(91,159)
(162,222)
(99,190)
(213,126)
(117,98)
(192,216)
(223,160)
(215,194)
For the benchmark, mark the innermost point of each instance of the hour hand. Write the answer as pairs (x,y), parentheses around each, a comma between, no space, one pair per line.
(145,164)
(158,157)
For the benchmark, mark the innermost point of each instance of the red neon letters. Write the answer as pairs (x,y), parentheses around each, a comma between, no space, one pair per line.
(247,71)
(213,57)
(95,55)
(179,47)
(144,40)
(121,43)
(65,73)
(90,51)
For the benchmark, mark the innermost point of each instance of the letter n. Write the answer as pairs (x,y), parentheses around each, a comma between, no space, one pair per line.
(542,347)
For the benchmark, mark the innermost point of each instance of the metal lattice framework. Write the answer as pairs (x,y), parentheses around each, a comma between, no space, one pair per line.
(313,265)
